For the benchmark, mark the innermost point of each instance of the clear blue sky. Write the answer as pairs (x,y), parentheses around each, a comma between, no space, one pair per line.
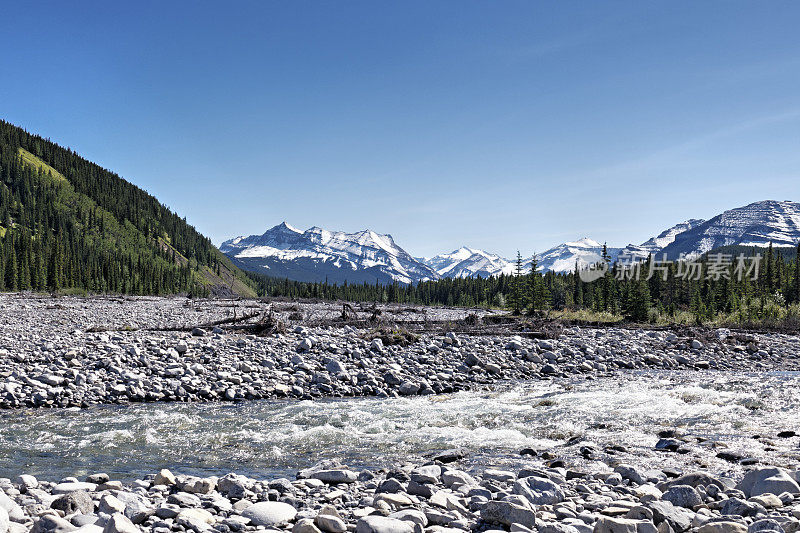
(499,125)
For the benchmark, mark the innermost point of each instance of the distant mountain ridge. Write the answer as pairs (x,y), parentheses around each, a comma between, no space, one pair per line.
(317,254)
(757,224)
(468,262)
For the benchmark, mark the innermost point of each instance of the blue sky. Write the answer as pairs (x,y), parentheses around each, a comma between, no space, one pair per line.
(498,125)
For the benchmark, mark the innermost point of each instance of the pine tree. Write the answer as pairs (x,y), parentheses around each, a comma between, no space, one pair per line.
(11,269)
(797,275)
(516,296)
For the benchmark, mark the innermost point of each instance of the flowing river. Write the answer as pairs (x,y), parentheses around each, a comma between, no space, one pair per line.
(271,438)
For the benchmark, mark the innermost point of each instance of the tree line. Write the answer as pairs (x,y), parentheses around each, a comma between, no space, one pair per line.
(704,295)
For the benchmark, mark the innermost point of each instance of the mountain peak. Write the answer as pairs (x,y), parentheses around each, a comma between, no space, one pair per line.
(318,254)
(285,226)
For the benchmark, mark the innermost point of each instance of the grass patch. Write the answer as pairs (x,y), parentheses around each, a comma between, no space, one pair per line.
(38,164)
(587,315)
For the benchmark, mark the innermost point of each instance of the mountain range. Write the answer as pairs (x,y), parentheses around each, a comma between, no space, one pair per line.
(317,254)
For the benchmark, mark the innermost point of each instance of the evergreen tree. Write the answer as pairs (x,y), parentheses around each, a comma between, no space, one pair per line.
(517,288)
(797,275)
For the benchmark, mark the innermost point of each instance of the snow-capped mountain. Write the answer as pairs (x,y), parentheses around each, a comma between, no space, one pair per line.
(562,258)
(756,224)
(467,263)
(317,254)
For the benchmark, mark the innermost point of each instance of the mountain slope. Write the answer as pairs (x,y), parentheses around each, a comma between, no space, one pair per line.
(468,262)
(67,223)
(756,224)
(655,245)
(562,258)
(319,255)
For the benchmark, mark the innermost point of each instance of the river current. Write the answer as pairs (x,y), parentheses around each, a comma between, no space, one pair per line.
(720,411)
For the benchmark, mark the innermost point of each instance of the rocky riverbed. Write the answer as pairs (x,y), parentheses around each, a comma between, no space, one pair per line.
(603,430)
(77,352)
(437,496)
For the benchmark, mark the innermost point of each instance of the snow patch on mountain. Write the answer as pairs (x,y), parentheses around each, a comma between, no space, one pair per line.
(467,263)
(322,254)
(756,224)
(562,258)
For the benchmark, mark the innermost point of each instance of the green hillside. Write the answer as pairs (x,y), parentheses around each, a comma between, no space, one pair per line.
(68,224)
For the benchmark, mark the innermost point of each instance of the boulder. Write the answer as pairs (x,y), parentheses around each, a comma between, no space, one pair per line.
(539,491)
(382,524)
(682,496)
(508,513)
(164,477)
(722,527)
(335,476)
(608,524)
(50,523)
(270,514)
(770,480)
(74,502)
(119,523)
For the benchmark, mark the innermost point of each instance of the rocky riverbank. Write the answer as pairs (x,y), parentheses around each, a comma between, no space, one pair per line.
(75,352)
(436,497)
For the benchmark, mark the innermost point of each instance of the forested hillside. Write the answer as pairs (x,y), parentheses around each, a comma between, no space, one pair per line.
(68,224)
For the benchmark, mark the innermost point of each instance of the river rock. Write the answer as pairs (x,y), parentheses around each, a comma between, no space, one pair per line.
(682,496)
(508,513)
(119,523)
(382,524)
(722,527)
(50,523)
(72,486)
(164,477)
(539,491)
(768,480)
(270,514)
(305,525)
(335,476)
(73,502)
(608,524)
(330,523)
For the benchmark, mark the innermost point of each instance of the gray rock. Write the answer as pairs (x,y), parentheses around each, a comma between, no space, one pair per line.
(270,514)
(508,513)
(765,524)
(382,524)
(539,491)
(608,524)
(427,474)
(119,523)
(73,502)
(330,523)
(677,518)
(72,486)
(336,476)
(411,515)
(49,523)
(739,507)
(682,496)
(768,481)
